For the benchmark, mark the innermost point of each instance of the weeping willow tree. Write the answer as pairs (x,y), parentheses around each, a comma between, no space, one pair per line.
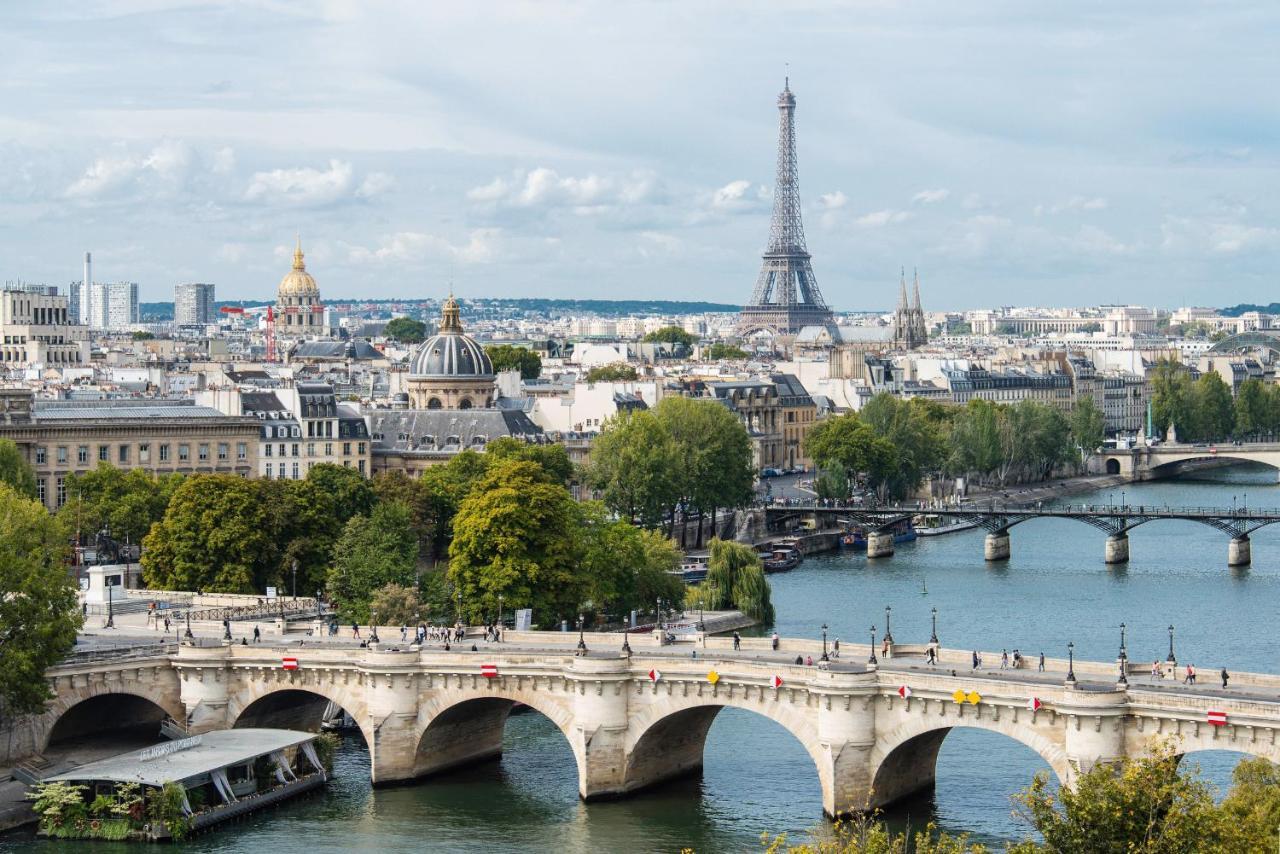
(735,580)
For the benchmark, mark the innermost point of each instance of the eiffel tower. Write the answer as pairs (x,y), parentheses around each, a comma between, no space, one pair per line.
(786,297)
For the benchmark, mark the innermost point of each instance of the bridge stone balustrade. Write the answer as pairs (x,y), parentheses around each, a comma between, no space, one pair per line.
(422,712)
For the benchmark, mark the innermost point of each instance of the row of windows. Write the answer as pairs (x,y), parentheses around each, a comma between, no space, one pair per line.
(125,453)
(285,471)
(311,449)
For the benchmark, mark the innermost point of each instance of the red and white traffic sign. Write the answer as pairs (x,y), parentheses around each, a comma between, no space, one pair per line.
(1217,718)
(655,675)
(489,671)
(904,692)
(1034,704)
(289,663)
(776,681)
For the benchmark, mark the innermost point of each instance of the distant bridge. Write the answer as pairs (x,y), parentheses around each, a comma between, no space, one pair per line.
(1116,521)
(872,725)
(1149,462)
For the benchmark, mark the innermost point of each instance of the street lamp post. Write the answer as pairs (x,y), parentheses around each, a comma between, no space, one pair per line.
(659,617)
(825,657)
(111,614)
(1071,664)
(1124,652)
(1171,659)
(872,658)
(626,645)
(295,581)
(226,630)
(373,629)
(582,640)
(933,616)
(888,634)
(318,612)
(499,609)
(188,634)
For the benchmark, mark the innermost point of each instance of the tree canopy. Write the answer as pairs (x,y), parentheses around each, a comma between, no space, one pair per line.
(15,471)
(735,580)
(671,335)
(1201,410)
(720,350)
(38,613)
(125,503)
(612,373)
(374,551)
(506,357)
(406,330)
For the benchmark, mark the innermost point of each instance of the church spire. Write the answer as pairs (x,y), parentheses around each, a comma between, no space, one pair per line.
(916,288)
(450,315)
(902,291)
(297,256)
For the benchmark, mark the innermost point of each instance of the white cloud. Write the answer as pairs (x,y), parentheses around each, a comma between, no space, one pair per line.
(1094,240)
(224,161)
(167,162)
(417,246)
(303,186)
(929,197)
(1075,203)
(1218,236)
(879,219)
(833,201)
(544,187)
(375,184)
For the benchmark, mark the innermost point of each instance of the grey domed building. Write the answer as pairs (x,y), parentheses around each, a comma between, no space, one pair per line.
(450,370)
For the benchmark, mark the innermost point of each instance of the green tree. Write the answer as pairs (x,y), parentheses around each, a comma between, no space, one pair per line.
(304,523)
(373,551)
(395,605)
(1214,408)
(1171,400)
(506,357)
(671,335)
(849,446)
(735,580)
(720,350)
(1088,427)
(126,503)
(38,612)
(1142,805)
(1253,408)
(658,576)
(616,372)
(712,452)
(634,467)
(15,471)
(975,439)
(216,534)
(406,330)
(351,491)
(553,458)
(514,535)
(917,440)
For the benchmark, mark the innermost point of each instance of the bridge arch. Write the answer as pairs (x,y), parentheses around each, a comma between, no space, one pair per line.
(142,694)
(458,727)
(667,738)
(1228,453)
(258,697)
(904,762)
(102,712)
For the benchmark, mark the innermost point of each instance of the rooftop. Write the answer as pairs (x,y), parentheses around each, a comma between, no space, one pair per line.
(216,749)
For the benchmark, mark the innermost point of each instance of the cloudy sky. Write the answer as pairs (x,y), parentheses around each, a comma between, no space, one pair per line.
(1015,153)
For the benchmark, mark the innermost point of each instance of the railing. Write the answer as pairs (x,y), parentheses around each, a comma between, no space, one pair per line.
(267,610)
(120,652)
(1101,509)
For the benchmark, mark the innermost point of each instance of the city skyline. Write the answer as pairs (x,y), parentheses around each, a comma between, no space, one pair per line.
(580,150)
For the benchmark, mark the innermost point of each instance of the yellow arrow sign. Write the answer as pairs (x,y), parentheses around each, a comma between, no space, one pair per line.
(713,677)
(959,696)
(974,698)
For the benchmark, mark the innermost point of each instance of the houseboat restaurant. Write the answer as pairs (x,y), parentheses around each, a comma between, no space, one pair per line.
(222,775)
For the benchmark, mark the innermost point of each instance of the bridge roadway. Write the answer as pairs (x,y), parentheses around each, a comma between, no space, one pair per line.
(1165,459)
(1115,520)
(423,711)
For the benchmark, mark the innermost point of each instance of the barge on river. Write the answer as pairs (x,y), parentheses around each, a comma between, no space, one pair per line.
(184,786)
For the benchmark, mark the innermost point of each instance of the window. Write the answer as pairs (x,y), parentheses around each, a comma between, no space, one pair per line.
(346,449)
(295,471)
(104,453)
(346,464)
(123,453)
(82,454)
(40,455)
(144,452)
(361,449)
(295,449)
(184,453)
(40,489)
(311,449)
(328,429)
(266,450)
(202,451)
(311,429)
(362,467)
(62,456)
(224,450)
(242,451)
(62,491)
(328,449)
(164,453)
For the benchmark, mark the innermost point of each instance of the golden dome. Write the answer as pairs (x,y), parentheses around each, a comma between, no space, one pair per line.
(298,282)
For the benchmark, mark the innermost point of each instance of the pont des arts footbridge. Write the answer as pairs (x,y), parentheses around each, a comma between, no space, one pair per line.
(871,723)
(1116,521)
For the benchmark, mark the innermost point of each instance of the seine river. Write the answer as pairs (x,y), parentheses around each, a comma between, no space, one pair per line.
(757,778)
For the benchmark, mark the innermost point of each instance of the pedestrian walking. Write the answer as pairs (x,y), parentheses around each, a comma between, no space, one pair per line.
(355,630)
(775,641)
(1004,659)
(835,651)
(1225,677)
(1190,676)
(737,641)
(1041,667)
(404,631)
(975,659)
(808,659)
(257,635)
(1155,669)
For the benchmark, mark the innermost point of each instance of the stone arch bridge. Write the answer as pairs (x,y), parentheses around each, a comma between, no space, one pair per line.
(873,730)
(1150,462)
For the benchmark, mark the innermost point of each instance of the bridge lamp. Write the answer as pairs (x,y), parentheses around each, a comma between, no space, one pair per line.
(317,604)
(888,635)
(825,657)
(111,614)
(626,645)
(1071,663)
(1171,659)
(872,659)
(373,629)
(933,617)
(226,630)
(1124,652)
(499,609)
(188,634)
(582,640)
(659,615)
